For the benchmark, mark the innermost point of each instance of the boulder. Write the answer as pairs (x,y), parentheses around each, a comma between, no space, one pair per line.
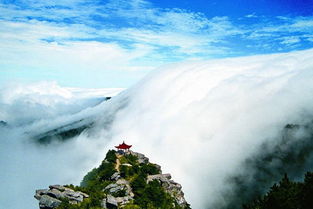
(74,197)
(55,193)
(40,192)
(123,200)
(109,202)
(128,188)
(113,188)
(58,187)
(52,197)
(47,202)
(115,176)
(114,202)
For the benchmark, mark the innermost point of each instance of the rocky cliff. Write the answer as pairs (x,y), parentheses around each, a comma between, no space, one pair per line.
(52,197)
(123,180)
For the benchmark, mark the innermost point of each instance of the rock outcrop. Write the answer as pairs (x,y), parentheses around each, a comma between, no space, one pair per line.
(52,197)
(122,192)
(123,179)
(170,186)
(141,157)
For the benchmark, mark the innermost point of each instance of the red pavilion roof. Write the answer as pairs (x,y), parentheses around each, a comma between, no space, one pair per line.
(123,146)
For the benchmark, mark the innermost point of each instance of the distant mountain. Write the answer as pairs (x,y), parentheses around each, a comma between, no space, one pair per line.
(75,125)
(63,133)
(3,123)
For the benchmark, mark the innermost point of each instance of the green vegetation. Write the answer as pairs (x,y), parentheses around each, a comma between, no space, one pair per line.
(111,156)
(146,195)
(287,194)
(151,195)
(129,159)
(150,169)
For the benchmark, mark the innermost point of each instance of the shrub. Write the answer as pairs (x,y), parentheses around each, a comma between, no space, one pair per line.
(131,206)
(126,171)
(111,156)
(150,169)
(152,195)
(131,159)
(120,193)
(138,184)
(106,171)
(90,176)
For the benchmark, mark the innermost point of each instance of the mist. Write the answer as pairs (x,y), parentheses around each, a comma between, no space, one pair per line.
(219,127)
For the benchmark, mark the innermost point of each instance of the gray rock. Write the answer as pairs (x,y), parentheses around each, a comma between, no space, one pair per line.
(170,186)
(113,188)
(123,200)
(104,203)
(128,188)
(110,186)
(141,157)
(160,177)
(55,193)
(122,181)
(73,196)
(115,176)
(48,202)
(84,194)
(40,192)
(58,187)
(50,198)
(111,200)
(119,185)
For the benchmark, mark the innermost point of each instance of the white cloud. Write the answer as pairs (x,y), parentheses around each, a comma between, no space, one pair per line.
(290,40)
(43,44)
(130,35)
(308,37)
(212,115)
(290,30)
(23,104)
(303,23)
(251,15)
(159,32)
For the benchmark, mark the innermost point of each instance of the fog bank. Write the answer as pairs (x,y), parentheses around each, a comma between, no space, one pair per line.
(217,126)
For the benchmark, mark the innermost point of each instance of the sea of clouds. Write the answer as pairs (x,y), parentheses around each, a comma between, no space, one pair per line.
(208,123)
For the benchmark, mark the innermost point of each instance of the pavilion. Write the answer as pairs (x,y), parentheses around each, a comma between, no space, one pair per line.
(123,147)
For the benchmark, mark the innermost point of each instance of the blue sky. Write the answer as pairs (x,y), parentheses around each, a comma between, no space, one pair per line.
(115,43)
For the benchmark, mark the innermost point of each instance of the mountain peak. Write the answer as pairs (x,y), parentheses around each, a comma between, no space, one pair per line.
(123,180)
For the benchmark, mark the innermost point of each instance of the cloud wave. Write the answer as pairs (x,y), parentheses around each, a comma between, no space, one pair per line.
(211,124)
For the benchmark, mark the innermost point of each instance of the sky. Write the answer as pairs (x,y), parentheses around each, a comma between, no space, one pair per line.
(114,43)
